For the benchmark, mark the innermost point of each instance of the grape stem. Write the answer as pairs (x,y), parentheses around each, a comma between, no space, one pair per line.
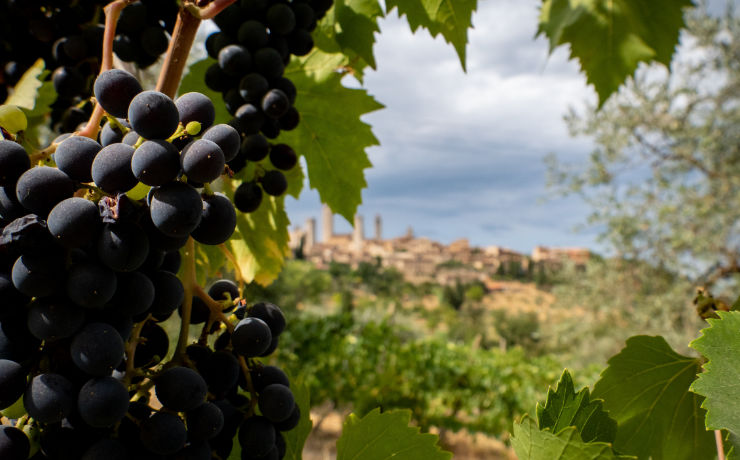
(183,36)
(209,11)
(189,284)
(213,305)
(720,446)
(133,342)
(250,386)
(112,12)
(43,155)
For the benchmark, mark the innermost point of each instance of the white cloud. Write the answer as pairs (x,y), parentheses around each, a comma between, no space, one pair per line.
(461,154)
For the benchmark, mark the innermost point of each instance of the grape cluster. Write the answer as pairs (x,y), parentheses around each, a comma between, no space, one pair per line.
(87,272)
(141,32)
(68,35)
(254,44)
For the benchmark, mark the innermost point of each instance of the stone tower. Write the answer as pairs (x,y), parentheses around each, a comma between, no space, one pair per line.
(310,240)
(327,224)
(378,227)
(358,234)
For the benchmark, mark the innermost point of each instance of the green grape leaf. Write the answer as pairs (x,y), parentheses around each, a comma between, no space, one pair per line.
(296,438)
(386,435)
(356,25)
(611,37)
(646,389)
(451,18)
(531,443)
(331,136)
(720,344)
(195,79)
(564,408)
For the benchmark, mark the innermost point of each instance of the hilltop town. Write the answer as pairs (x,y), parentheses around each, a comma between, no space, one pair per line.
(420,259)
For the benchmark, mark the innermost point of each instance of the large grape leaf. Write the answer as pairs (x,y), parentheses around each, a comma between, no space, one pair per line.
(386,435)
(357,23)
(295,439)
(720,344)
(531,443)
(564,408)
(451,18)
(331,136)
(646,389)
(611,37)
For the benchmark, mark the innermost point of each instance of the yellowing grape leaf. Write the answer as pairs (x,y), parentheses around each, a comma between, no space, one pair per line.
(720,344)
(531,443)
(331,136)
(451,18)
(611,37)
(564,408)
(386,435)
(26,91)
(646,390)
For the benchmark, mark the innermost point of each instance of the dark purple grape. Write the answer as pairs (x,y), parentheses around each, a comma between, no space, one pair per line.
(198,107)
(180,389)
(122,246)
(153,115)
(251,337)
(156,162)
(163,433)
(97,349)
(74,222)
(176,209)
(270,314)
(14,444)
(255,147)
(39,189)
(226,137)
(276,402)
(91,285)
(234,60)
(204,422)
(248,197)
(218,222)
(49,398)
(274,183)
(14,161)
(75,157)
(250,119)
(203,161)
(282,156)
(102,402)
(252,87)
(12,382)
(115,89)
(111,170)
(280,19)
(54,319)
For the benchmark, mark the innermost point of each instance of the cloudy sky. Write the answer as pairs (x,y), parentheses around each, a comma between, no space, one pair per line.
(461,154)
